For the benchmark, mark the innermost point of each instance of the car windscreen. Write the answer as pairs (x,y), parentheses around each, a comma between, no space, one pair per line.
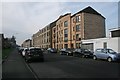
(111,51)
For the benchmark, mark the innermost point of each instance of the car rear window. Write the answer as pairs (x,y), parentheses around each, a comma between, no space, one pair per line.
(35,50)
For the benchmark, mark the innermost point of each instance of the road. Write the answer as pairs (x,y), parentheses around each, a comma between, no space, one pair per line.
(62,66)
(59,66)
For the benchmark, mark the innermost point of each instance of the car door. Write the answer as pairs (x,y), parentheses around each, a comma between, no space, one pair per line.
(103,54)
(76,52)
(79,52)
(106,54)
(98,53)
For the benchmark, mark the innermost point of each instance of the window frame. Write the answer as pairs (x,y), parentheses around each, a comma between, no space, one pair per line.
(66,23)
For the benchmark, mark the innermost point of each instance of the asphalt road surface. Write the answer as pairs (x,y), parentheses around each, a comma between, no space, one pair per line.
(62,66)
(59,66)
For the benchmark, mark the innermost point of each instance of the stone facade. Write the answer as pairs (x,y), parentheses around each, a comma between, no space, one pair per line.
(27,43)
(42,38)
(86,24)
(60,37)
(68,30)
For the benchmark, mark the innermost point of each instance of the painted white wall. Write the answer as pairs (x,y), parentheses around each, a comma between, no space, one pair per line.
(111,43)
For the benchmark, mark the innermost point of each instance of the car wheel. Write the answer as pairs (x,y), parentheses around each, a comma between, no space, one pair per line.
(109,59)
(94,57)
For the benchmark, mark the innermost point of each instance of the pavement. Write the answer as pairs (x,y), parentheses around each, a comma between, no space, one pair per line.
(14,67)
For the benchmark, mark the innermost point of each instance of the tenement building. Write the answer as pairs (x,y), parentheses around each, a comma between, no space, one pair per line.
(68,30)
(61,32)
(42,38)
(27,43)
(86,24)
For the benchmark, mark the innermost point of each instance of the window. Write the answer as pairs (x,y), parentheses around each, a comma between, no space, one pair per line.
(54,30)
(77,27)
(54,35)
(78,19)
(66,24)
(66,46)
(111,51)
(65,31)
(72,45)
(73,28)
(65,35)
(77,37)
(65,39)
(98,50)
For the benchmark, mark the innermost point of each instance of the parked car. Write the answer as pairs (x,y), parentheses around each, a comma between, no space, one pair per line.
(24,51)
(20,50)
(52,50)
(43,49)
(107,54)
(34,54)
(66,51)
(82,53)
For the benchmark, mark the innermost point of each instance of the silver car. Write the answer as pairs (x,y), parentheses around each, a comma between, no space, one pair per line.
(107,54)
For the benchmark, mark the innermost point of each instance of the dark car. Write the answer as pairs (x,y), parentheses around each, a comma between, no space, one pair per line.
(43,49)
(52,50)
(21,50)
(34,54)
(83,53)
(66,51)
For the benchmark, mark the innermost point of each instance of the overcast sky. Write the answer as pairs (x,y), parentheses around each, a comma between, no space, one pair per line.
(23,19)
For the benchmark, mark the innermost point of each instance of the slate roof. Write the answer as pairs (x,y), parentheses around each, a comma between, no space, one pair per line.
(88,10)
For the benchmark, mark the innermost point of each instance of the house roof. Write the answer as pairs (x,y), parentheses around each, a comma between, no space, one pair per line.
(88,10)
(63,16)
(114,29)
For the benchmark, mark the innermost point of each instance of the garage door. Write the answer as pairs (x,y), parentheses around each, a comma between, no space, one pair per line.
(88,46)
